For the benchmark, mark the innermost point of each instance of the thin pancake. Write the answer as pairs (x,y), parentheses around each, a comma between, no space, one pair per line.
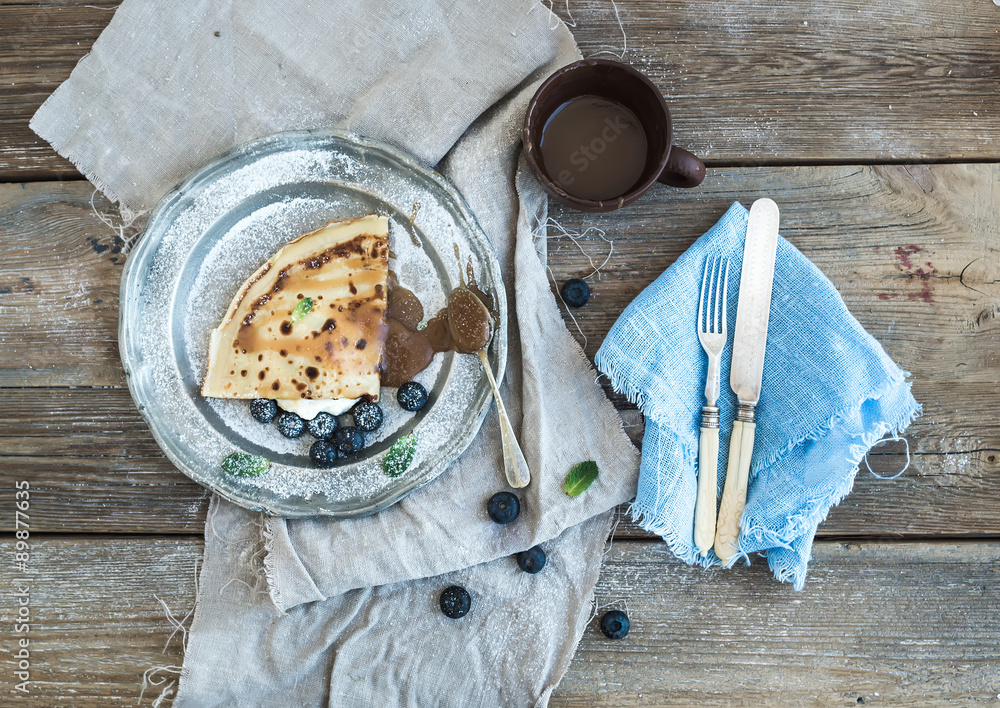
(333,351)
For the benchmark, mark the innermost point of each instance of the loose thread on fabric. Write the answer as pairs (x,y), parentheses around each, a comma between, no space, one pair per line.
(149,679)
(568,310)
(574,236)
(895,438)
(553,17)
(621,26)
(242,582)
(128,218)
(609,543)
(150,675)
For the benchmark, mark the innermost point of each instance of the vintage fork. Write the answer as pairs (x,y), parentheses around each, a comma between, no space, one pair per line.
(712,335)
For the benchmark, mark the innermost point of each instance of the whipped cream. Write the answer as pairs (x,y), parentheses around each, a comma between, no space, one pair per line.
(307,409)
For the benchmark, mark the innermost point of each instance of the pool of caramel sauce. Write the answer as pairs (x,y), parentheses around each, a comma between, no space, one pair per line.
(409,350)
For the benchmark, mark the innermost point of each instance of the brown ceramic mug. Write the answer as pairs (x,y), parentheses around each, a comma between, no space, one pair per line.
(620,83)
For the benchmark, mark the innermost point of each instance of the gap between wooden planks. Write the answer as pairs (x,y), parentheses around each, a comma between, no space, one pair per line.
(910,624)
(873,230)
(93,467)
(749,83)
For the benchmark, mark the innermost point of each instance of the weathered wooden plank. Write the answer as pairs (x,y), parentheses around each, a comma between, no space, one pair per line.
(912,249)
(906,624)
(95,468)
(750,83)
(61,267)
(863,226)
(40,43)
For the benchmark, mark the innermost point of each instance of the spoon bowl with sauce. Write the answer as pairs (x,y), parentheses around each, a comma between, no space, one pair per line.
(471,328)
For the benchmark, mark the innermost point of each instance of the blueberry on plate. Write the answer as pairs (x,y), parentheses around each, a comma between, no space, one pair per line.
(575,292)
(367,416)
(349,440)
(322,426)
(411,396)
(263,410)
(503,507)
(455,601)
(323,454)
(290,425)
(615,624)
(531,560)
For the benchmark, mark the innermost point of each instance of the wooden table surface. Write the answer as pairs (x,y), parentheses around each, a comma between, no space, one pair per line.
(874,125)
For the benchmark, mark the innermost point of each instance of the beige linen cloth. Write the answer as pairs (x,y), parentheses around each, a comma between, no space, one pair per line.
(344,613)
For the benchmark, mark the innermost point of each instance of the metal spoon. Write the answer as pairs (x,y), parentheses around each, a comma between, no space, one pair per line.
(471,328)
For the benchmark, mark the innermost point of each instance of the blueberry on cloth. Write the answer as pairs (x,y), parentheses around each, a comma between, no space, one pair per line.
(575,292)
(411,396)
(503,507)
(615,624)
(322,426)
(455,601)
(323,454)
(263,410)
(531,560)
(367,416)
(349,440)
(290,425)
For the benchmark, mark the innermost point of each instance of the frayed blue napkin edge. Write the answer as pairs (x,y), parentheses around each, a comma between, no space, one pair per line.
(801,527)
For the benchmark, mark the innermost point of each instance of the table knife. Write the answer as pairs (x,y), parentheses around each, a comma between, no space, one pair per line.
(747,369)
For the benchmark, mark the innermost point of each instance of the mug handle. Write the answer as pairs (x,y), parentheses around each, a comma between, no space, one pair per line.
(683,169)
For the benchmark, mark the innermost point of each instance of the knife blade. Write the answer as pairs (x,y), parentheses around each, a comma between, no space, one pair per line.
(747,367)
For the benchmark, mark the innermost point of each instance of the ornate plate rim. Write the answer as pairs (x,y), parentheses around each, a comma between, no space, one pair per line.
(127,306)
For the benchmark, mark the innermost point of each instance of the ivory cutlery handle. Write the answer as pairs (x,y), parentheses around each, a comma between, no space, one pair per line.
(514,464)
(734,494)
(708,472)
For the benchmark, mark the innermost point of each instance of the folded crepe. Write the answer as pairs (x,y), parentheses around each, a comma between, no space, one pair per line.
(310,323)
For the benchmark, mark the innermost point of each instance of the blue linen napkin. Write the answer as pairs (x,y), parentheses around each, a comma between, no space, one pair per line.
(830,392)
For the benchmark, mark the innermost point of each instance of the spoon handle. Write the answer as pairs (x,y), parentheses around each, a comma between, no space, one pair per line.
(514,464)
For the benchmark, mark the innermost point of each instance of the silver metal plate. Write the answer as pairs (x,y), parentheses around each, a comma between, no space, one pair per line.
(753,310)
(214,230)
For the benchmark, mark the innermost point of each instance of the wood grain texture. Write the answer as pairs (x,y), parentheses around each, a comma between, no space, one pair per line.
(40,43)
(96,468)
(901,624)
(89,450)
(749,83)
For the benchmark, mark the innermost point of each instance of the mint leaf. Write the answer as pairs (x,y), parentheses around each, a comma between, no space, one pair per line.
(580,478)
(400,456)
(304,307)
(243,464)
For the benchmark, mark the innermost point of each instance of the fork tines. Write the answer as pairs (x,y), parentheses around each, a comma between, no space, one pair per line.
(711,279)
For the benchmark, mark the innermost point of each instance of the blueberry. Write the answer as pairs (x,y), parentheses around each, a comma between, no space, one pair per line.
(411,396)
(323,454)
(263,410)
(367,416)
(349,440)
(322,426)
(290,425)
(615,624)
(503,507)
(575,292)
(455,601)
(531,560)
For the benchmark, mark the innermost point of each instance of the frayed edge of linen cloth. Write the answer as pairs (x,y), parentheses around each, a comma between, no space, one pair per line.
(665,501)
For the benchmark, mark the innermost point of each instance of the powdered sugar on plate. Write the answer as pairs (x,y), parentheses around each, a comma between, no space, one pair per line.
(207,237)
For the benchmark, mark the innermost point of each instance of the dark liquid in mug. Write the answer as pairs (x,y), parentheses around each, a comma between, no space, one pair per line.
(594,148)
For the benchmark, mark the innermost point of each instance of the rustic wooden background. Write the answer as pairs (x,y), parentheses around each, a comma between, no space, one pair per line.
(873,123)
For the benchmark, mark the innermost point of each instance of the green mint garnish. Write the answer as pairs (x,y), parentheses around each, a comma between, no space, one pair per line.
(580,478)
(400,455)
(243,464)
(304,307)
